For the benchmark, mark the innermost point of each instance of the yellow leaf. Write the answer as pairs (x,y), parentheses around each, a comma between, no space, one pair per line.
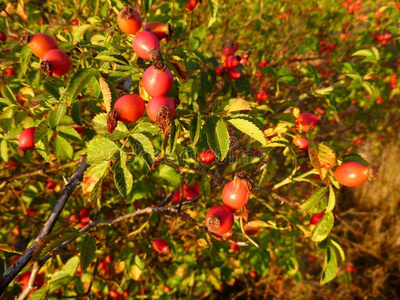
(105,90)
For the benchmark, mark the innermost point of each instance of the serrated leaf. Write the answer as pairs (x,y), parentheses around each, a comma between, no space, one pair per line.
(78,82)
(8,94)
(267,173)
(78,32)
(250,129)
(57,114)
(7,248)
(99,124)
(331,199)
(329,269)
(322,158)
(105,91)
(100,149)
(195,126)
(217,136)
(236,104)
(68,133)
(25,58)
(338,248)
(92,180)
(143,147)
(72,265)
(147,127)
(180,69)
(39,294)
(122,177)
(354,157)
(62,148)
(42,140)
(205,188)
(310,202)
(112,56)
(76,113)
(189,90)
(58,280)
(173,135)
(323,228)
(53,240)
(88,251)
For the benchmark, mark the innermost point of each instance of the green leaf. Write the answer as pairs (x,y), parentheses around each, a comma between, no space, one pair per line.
(324,91)
(148,128)
(205,188)
(122,177)
(72,265)
(236,104)
(331,200)
(99,124)
(112,56)
(62,148)
(322,157)
(58,280)
(8,94)
(313,199)
(329,270)
(78,82)
(189,91)
(323,228)
(143,147)
(354,157)
(40,294)
(100,149)
(217,136)
(92,180)
(80,31)
(4,150)
(250,129)
(68,133)
(268,173)
(173,135)
(76,113)
(195,126)
(25,58)
(363,52)
(197,37)
(88,251)
(57,114)
(338,248)
(368,87)
(42,140)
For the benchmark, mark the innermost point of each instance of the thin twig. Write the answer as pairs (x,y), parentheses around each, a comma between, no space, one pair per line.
(32,278)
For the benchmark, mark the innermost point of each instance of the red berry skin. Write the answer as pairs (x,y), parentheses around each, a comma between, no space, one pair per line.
(3,37)
(220,71)
(41,43)
(307,120)
(234,247)
(30,211)
(51,185)
(129,108)
(159,29)
(161,246)
(225,217)
(196,188)
(73,219)
(234,195)
(316,218)
(84,212)
(12,165)
(233,74)
(176,197)
(351,174)
(113,294)
(26,138)
(300,142)
(157,82)
(191,4)
(143,43)
(207,157)
(156,103)
(9,71)
(262,95)
(59,62)
(75,22)
(230,62)
(190,194)
(226,52)
(131,25)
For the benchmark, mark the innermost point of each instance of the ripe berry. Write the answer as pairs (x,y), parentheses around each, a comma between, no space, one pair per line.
(51,185)
(129,108)
(160,30)
(143,43)
(236,192)
(307,120)
(176,197)
(300,142)
(9,71)
(84,212)
(73,219)
(157,81)
(351,174)
(129,20)
(234,247)
(161,246)
(40,43)
(233,74)
(55,63)
(26,138)
(114,294)
(12,165)
(230,62)
(75,22)
(262,95)
(3,37)
(159,107)
(220,71)
(316,218)
(226,52)
(207,157)
(219,219)
(30,211)
(191,4)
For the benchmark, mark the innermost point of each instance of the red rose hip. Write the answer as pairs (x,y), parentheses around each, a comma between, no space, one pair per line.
(207,157)
(161,246)
(55,63)
(219,219)
(307,121)
(129,108)
(26,138)
(129,20)
(351,174)
(40,43)
(157,80)
(143,43)
(316,218)
(236,192)
(159,106)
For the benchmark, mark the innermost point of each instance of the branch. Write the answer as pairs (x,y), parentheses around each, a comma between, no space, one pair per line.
(13,271)
(32,278)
